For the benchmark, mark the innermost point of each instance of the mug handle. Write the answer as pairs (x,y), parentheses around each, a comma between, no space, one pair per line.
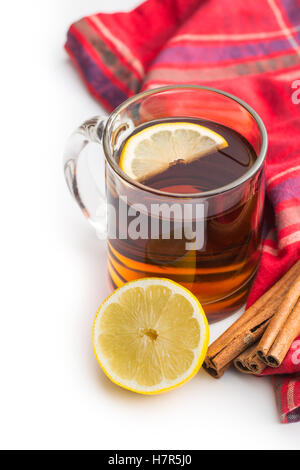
(90,131)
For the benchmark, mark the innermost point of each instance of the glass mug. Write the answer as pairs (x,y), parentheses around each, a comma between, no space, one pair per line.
(210,242)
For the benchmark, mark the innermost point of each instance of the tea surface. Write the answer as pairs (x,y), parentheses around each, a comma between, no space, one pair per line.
(210,172)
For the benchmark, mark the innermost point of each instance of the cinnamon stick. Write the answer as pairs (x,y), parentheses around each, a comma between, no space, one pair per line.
(214,372)
(249,327)
(289,331)
(255,364)
(248,362)
(241,362)
(252,311)
(245,337)
(277,323)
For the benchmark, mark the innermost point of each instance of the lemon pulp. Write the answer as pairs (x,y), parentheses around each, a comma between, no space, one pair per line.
(151,335)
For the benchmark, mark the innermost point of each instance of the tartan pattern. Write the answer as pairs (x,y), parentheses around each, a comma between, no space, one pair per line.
(286,383)
(287,392)
(245,48)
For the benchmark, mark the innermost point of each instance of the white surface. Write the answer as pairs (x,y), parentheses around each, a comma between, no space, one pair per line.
(53,394)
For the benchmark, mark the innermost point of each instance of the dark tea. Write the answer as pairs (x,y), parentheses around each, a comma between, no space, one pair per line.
(218,272)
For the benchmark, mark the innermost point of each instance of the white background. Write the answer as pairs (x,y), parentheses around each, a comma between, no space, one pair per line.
(52,392)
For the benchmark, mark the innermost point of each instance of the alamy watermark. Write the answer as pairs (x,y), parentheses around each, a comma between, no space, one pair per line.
(185,221)
(296,93)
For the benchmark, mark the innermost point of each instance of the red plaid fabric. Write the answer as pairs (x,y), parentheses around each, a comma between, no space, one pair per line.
(249,49)
(286,382)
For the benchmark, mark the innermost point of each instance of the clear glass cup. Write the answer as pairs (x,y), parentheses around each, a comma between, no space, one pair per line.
(211,243)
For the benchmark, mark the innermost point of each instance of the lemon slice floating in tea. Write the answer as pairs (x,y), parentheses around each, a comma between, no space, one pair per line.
(150,336)
(152,150)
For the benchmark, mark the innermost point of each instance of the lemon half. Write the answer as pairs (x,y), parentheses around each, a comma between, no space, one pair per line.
(150,336)
(152,150)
